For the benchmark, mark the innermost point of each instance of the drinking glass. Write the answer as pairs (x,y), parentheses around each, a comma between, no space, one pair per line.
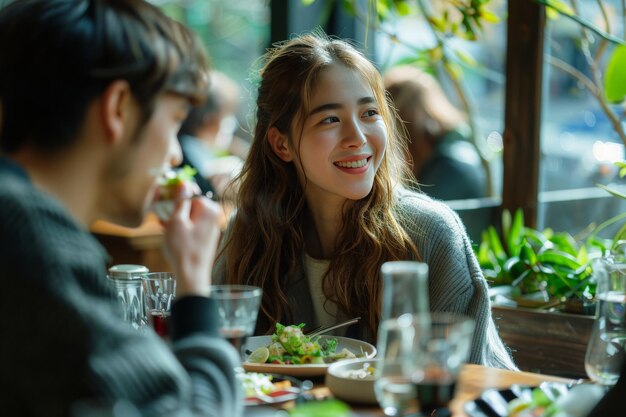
(605,350)
(405,288)
(126,281)
(441,346)
(238,308)
(159,290)
(394,389)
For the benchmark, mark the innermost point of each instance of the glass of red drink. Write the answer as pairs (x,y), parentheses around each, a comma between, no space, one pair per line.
(159,292)
(238,307)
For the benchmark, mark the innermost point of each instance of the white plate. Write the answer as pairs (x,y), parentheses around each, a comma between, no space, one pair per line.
(352,345)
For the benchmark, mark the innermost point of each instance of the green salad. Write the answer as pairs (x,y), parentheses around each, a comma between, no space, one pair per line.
(290,346)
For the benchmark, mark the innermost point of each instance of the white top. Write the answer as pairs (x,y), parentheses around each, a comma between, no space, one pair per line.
(325,312)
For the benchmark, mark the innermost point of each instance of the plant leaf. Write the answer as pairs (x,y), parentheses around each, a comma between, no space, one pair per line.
(615,76)
(515,231)
(465,57)
(565,242)
(488,16)
(403,7)
(560,6)
(496,244)
(521,277)
(559,259)
(537,238)
(527,254)
(506,224)
(619,237)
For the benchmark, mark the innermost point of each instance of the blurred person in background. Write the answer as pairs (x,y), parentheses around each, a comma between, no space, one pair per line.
(92,96)
(207,137)
(445,163)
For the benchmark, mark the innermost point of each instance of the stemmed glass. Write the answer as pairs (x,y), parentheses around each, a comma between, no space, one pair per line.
(441,347)
(238,308)
(394,388)
(159,291)
(422,355)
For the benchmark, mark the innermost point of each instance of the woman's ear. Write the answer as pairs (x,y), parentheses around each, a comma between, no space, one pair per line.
(279,143)
(117,110)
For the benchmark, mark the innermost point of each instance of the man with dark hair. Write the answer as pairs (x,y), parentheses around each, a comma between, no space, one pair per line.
(92,94)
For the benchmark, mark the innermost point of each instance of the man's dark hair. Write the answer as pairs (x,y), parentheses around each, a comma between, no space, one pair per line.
(56,56)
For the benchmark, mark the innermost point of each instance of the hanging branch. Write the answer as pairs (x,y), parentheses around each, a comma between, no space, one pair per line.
(583,22)
(594,86)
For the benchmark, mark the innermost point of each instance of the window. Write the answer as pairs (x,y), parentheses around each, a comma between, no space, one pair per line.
(579,144)
(479,92)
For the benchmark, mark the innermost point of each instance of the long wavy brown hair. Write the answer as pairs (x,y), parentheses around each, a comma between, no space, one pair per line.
(266,240)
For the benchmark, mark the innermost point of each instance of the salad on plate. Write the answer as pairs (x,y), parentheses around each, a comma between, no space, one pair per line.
(290,346)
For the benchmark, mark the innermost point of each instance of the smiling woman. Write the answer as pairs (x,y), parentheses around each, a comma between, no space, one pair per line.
(344,129)
(322,205)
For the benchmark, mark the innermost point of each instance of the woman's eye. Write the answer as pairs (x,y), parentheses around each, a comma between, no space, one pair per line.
(370,113)
(330,119)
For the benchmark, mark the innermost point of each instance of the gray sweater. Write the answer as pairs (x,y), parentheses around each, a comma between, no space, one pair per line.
(63,339)
(456,282)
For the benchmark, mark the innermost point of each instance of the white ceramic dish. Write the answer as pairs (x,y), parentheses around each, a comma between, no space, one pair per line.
(353,345)
(355,390)
(284,393)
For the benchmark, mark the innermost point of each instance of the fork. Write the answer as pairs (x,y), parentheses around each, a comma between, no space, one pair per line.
(321,330)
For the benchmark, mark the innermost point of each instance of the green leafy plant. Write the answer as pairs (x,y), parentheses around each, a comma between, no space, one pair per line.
(542,266)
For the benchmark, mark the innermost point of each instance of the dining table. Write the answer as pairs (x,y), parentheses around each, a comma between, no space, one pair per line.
(473,380)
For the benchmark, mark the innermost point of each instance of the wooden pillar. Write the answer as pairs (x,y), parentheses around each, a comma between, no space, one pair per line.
(524,73)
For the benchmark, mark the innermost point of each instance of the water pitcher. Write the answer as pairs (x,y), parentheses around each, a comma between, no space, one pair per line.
(605,351)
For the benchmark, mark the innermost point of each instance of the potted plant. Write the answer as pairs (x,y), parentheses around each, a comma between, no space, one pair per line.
(538,269)
(541,275)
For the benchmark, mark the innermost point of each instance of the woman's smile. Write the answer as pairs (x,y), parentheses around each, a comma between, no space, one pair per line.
(355,165)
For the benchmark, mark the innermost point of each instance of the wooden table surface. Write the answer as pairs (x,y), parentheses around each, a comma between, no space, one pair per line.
(474,379)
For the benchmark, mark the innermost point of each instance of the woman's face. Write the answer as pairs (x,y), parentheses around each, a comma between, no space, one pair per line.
(343,138)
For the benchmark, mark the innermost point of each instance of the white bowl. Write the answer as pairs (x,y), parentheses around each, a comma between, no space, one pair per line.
(344,387)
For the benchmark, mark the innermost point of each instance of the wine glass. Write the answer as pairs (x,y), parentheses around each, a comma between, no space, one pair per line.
(238,308)
(394,388)
(159,290)
(441,346)
(606,347)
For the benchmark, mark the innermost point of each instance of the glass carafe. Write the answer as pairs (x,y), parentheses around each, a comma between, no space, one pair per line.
(405,288)
(605,351)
